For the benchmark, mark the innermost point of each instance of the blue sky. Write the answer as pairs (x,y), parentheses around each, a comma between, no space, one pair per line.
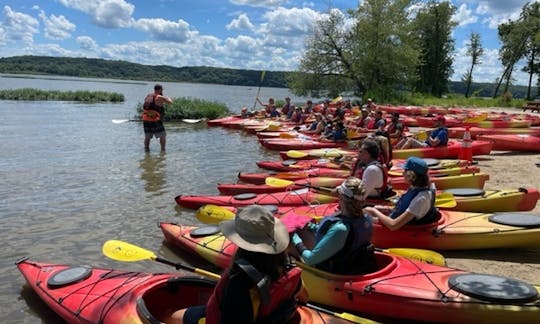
(250,34)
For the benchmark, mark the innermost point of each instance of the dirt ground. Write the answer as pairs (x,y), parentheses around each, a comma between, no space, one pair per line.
(507,170)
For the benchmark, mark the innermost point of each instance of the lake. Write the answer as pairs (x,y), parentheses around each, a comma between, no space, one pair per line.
(72,179)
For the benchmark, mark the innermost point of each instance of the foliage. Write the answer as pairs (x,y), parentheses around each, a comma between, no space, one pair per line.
(191,108)
(376,54)
(433,29)
(36,94)
(457,100)
(100,68)
(475,51)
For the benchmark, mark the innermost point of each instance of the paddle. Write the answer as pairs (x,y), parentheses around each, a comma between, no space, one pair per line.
(476,119)
(121,121)
(422,255)
(259,90)
(442,200)
(122,251)
(212,214)
(336,99)
(280,183)
(126,252)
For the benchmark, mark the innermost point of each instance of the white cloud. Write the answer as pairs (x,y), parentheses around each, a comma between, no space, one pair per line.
(161,29)
(290,22)
(258,3)
(87,43)
(240,23)
(18,26)
(104,13)
(57,27)
(464,16)
(497,12)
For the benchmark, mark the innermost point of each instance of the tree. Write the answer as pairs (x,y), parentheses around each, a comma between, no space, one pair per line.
(433,29)
(376,54)
(475,51)
(520,39)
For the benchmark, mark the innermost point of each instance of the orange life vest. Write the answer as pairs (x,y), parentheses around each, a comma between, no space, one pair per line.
(151,109)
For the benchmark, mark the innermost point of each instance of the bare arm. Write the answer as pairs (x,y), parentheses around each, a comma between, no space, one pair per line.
(163,98)
(392,223)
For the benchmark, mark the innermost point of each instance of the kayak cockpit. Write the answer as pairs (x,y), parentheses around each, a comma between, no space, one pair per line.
(176,293)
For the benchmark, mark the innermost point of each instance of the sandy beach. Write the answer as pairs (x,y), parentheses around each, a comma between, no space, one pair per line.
(507,170)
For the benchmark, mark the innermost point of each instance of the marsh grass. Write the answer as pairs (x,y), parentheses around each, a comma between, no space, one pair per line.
(83,96)
(191,108)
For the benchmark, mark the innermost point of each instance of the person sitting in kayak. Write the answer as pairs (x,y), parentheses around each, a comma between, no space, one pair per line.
(438,137)
(317,126)
(395,129)
(260,285)
(338,133)
(417,205)
(341,243)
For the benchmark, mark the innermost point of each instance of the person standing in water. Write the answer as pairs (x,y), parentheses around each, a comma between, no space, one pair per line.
(152,116)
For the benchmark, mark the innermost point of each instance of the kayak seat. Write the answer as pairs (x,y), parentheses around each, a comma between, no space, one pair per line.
(180,292)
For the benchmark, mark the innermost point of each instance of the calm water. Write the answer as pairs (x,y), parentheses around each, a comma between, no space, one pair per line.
(71,179)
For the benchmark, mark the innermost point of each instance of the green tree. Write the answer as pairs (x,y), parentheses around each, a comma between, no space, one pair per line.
(433,27)
(376,55)
(475,51)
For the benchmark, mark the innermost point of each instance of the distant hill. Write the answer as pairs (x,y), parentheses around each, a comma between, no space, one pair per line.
(100,68)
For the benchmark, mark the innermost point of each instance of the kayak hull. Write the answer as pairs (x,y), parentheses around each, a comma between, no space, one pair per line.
(415,290)
(452,150)
(513,142)
(120,297)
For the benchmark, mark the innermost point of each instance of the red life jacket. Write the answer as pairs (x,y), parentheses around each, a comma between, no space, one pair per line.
(151,111)
(280,291)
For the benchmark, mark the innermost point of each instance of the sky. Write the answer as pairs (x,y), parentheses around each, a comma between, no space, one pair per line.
(246,34)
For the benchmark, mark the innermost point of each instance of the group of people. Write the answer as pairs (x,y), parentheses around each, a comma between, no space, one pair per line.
(263,285)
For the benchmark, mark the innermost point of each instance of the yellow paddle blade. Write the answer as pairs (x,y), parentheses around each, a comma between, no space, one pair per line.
(351,133)
(422,136)
(287,135)
(348,316)
(337,99)
(476,119)
(122,251)
(212,214)
(296,154)
(445,200)
(422,255)
(275,182)
(395,173)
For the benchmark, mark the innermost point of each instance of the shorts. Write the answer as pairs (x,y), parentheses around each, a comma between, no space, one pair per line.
(194,314)
(154,129)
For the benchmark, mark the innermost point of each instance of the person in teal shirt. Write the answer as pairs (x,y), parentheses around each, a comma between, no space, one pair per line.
(341,242)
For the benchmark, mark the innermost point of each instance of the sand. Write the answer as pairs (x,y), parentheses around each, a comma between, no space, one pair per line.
(507,170)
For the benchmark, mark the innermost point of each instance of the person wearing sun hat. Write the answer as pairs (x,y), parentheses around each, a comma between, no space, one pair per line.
(260,285)
(342,242)
(416,205)
(438,137)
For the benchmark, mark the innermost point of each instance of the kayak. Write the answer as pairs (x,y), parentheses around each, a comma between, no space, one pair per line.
(282,144)
(400,288)
(259,178)
(513,142)
(83,294)
(220,121)
(512,123)
(458,132)
(451,151)
(441,181)
(454,230)
(287,198)
(490,201)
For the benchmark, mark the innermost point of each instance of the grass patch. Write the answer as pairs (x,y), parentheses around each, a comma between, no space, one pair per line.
(457,100)
(83,96)
(191,108)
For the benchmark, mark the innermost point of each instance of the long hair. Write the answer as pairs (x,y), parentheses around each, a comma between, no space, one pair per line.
(273,265)
(355,204)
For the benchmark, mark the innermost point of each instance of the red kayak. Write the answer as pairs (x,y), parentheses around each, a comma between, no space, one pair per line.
(259,178)
(296,165)
(283,144)
(458,132)
(83,294)
(288,198)
(518,142)
(399,288)
(450,151)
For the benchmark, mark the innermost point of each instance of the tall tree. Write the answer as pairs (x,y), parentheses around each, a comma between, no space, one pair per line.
(376,54)
(475,51)
(433,29)
(520,39)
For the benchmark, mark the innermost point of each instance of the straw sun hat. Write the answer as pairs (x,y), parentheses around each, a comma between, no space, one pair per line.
(256,229)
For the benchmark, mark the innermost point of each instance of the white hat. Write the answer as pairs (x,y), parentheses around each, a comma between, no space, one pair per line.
(256,229)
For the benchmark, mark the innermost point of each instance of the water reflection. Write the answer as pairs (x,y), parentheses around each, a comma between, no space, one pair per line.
(153,172)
